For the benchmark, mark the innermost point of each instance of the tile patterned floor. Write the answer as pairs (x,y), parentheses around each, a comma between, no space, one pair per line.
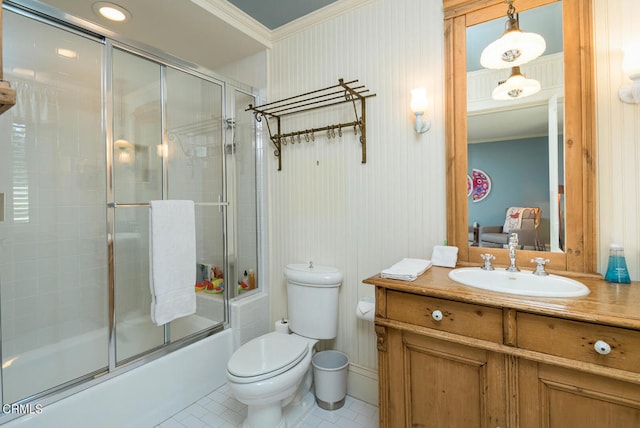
(219,410)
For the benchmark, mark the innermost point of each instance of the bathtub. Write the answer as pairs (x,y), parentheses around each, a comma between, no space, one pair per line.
(140,397)
(33,371)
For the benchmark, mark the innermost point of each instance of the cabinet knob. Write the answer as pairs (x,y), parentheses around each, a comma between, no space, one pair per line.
(436,315)
(602,347)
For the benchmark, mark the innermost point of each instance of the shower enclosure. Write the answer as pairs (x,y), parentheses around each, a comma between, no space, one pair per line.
(98,131)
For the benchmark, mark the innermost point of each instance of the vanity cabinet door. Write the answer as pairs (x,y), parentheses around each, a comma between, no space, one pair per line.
(556,397)
(432,383)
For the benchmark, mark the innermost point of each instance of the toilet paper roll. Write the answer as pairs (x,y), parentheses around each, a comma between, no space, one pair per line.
(282,326)
(366,308)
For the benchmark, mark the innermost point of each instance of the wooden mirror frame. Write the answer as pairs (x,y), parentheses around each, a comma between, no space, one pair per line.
(579,132)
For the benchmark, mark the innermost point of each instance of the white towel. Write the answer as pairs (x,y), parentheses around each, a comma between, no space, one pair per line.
(172,260)
(407,269)
(444,256)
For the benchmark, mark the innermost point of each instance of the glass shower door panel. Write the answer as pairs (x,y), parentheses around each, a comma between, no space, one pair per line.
(138,178)
(137,129)
(245,198)
(53,271)
(195,172)
(135,333)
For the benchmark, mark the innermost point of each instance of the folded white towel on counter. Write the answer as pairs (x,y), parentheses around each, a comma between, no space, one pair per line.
(406,269)
(444,256)
(172,259)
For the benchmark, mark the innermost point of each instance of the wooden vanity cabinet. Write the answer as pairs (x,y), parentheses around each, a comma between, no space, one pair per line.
(559,397)
(426,381)
(435,383)
(446,360)
(589,389)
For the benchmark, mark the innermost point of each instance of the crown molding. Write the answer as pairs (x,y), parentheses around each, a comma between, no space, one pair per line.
(248,25)
(326,13)
(238,19)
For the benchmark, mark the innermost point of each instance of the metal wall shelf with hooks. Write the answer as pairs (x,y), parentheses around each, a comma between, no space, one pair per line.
(343,92)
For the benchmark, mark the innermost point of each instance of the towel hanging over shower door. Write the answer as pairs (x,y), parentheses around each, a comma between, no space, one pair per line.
(172,259)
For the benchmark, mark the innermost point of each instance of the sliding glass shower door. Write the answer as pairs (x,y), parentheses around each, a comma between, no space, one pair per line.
(196,171)
(167,144)
(137,179)
(53,257)
(98,131)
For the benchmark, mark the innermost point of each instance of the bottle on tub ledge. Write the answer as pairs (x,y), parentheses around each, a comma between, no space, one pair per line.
(252,279)
(243,283)
(248,281)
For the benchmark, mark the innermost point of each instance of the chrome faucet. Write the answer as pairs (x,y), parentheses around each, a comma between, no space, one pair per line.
(513,244)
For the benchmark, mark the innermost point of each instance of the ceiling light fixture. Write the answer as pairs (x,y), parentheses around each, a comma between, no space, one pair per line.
(111,11)
(515,87)
(515,47)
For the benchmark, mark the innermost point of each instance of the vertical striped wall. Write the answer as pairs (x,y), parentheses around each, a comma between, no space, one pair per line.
(325,205)
(618,135)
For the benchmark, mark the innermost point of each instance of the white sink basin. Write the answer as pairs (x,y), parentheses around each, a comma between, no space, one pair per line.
(523,283)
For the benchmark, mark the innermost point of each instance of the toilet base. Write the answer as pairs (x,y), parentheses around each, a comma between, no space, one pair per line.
(294,414)
(264,416)
(277,417)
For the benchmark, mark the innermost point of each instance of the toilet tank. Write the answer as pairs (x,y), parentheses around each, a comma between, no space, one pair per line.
(312,299)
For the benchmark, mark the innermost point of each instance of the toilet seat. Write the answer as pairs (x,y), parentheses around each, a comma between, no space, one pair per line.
(266,356)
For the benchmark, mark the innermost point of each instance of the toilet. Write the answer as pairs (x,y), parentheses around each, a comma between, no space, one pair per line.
(272,374)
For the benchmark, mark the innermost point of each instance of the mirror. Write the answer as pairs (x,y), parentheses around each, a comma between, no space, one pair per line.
(569,228)
(516,145)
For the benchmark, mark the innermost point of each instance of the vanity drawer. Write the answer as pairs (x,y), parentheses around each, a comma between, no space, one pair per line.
(576,340)
(454,317)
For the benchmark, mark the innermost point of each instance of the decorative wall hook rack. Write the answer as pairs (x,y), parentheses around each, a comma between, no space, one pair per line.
(343,92)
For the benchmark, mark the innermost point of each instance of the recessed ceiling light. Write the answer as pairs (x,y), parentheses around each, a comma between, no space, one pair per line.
(111,11)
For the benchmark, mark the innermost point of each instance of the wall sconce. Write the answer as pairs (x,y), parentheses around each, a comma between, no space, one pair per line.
(162,150)
(419,107)
(630,93)
(515,47)
(124,150)
(516,86)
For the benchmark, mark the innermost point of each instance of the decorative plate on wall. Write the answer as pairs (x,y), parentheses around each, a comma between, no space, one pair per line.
(481,185)
(469,185)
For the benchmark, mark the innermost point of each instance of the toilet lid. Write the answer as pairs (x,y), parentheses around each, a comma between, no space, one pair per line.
(267,355)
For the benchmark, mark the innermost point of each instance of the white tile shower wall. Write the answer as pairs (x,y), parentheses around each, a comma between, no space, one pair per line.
(249,318)
(52,254)
(325,205)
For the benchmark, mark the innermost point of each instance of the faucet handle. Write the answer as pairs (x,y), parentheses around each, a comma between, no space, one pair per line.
(487,261)
(540,266)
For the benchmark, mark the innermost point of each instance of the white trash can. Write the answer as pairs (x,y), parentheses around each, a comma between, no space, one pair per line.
(330,378)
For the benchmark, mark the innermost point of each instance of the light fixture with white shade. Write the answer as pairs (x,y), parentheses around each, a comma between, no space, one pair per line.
(125,151)
(630,93)
(515,47)
(419,107)
(515,87)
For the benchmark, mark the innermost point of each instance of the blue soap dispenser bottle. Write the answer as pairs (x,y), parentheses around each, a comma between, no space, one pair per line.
(617,270)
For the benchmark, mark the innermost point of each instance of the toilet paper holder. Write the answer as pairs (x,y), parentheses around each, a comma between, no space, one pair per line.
(366,309)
